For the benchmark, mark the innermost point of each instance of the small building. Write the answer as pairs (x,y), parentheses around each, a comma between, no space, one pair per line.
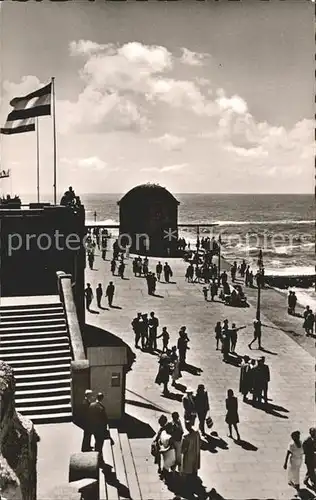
(149,220)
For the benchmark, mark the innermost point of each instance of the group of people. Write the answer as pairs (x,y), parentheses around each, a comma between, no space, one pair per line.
(173,450)
(254,379)
(298,451)
(309,321)
(227,336)
(109,293)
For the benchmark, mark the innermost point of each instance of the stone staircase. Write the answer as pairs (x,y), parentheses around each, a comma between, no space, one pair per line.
(120,458)
(34,341)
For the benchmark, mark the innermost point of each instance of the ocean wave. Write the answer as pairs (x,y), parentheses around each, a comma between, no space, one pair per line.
(262,222)
(304,297)
(290,271)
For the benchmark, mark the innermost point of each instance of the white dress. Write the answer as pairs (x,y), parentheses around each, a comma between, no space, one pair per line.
(168,453)
(295,462)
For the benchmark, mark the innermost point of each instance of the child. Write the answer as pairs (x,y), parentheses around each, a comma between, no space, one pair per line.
(165,339)
(205,291)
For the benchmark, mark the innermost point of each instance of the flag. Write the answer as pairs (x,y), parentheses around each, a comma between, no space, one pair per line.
(35,104)
(18,126)
(4,174)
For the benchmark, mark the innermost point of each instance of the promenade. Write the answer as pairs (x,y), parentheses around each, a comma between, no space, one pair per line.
(252,468)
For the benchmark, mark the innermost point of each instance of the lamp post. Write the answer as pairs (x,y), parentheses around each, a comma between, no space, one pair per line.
(219,260)
(95,216)
(259,283)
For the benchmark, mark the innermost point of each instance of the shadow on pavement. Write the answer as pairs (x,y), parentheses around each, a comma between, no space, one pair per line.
(270,409)
(194,370)
(214,441)
(134,428)
(245,445)
(173,396)
(148,406)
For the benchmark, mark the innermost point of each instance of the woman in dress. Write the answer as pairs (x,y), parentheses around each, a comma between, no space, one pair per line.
(162,421)
(294,455)
(232,418)
(167,449)
(218,333)
(174,366)
(163,373)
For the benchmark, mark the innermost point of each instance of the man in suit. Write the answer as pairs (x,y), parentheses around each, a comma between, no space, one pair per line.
(189,406)
(84,421)
(263,374)
(110,293)
(98,422)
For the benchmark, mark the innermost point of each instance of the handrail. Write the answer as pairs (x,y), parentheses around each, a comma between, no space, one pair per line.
(67,298)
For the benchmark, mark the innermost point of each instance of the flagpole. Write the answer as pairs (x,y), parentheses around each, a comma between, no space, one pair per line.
(38,161)
(54,139)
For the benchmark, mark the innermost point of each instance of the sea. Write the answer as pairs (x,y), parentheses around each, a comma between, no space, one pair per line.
(283,226)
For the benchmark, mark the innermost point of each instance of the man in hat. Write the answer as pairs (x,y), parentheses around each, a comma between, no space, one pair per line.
(99,422)
(262,379)
(309,447)
(86,441)
(189,406)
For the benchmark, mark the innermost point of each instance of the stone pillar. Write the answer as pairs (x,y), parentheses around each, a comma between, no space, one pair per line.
(80,381)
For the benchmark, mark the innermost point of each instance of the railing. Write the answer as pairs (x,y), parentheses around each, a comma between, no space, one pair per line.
(80,369)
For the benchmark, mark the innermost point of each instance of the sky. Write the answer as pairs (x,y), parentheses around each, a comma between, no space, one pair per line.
(212,97)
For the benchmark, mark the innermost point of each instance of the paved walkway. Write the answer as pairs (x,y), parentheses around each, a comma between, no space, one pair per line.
(253,469)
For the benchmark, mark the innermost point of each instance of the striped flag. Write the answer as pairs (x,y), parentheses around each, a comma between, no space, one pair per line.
(4,174)
(21,119)
(18,126)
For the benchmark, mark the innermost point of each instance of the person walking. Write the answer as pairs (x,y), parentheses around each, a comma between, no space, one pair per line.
(232,417)
(218,334)
(84,421)
(91,259)
(256,333)
(98,294)
(167,272)
(88,293)
(245,380)
(159,270)
(98,421)
(113,267)
(177,433)
(144,331)
(182,345)
(213,289)
(110,293)
(309,447)
(167,450)
(175,365)
(155,447)
(153,324)
(262,379)
(189,407)
(121,270)
(136,325)
(202,406)
(165,339)
(163,373)
(225,339)
(294,455)
(191,462)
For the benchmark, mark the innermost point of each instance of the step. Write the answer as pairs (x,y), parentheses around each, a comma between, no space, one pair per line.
(27,314)
(40,410)
(24,335)
(65,398)
(33,322)
(31,328)
(44,384)
(130,467)
(43,373)
(36,355)
(19,348)
(49,418)
(38,362)
(30,307)
(15,343)
(112,493)
(47,390)
(118,459)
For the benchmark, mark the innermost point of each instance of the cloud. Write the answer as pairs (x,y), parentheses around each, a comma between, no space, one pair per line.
(85,47)
(90,163)
(173,168)
(169,142)
(192,58)
(167,168)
